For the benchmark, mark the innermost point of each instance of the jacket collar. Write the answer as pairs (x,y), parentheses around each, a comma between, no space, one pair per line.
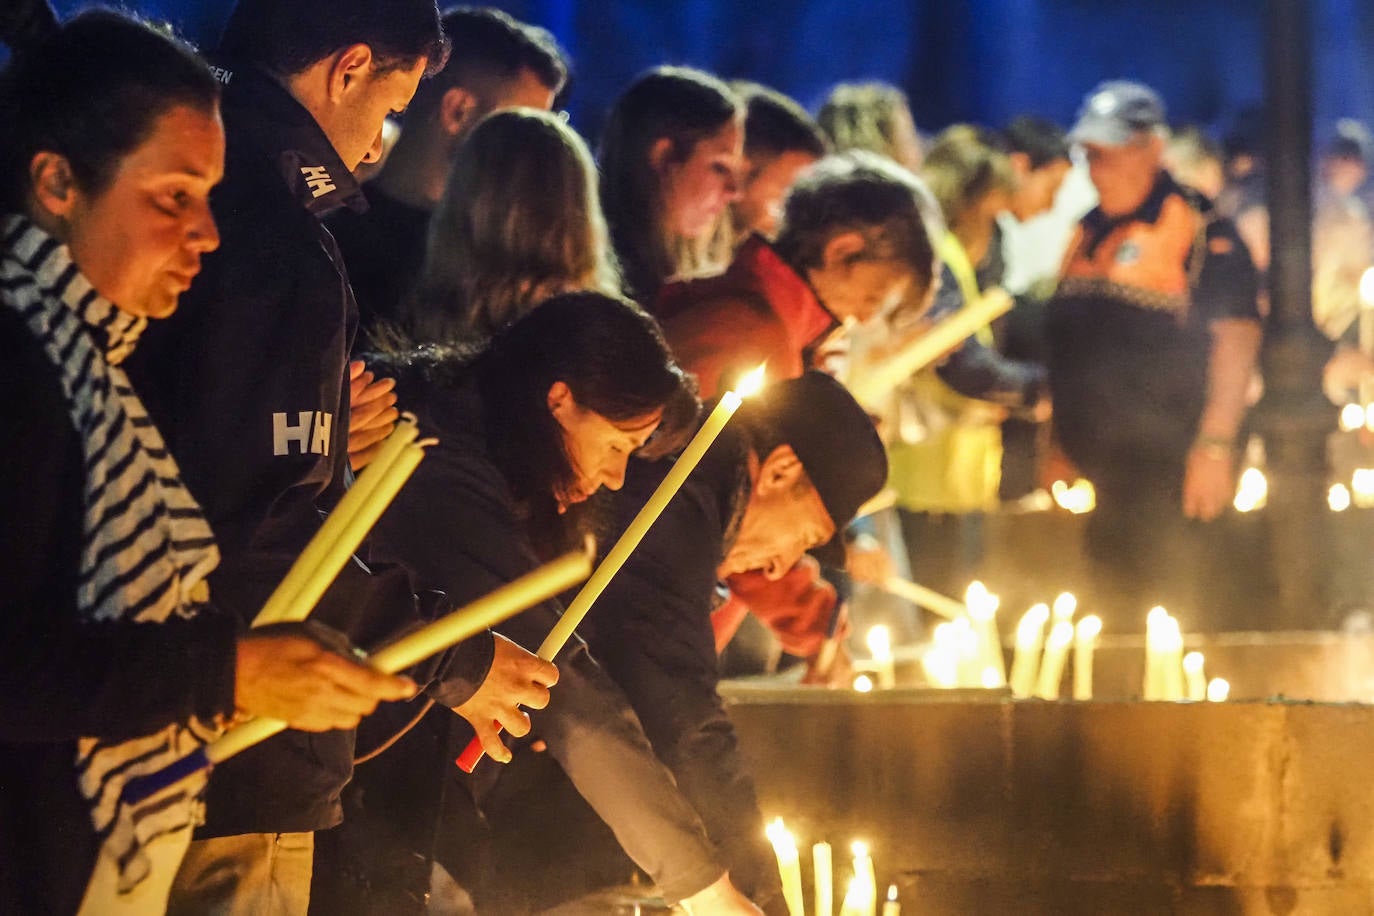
(262,115)
(803,315)
(1148,212)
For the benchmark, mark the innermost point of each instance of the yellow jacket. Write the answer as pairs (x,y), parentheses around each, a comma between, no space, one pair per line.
(956,465)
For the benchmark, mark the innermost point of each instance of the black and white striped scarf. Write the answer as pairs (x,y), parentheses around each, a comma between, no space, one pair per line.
(146,548)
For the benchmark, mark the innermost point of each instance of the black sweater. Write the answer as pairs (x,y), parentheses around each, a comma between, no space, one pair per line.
(61,679)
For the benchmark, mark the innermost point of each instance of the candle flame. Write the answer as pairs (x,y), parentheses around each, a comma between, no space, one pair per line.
(1193,662)
(1362,487)
(892,893)
(1089,628)
(880,642)
(1367,288)
(1338,497)
(1218,689)
(1065,606)
(992,678)
(859,848)
(1352,417)
(863,684)
(1031,623)
(981,603)
(1252,492)
(751,383)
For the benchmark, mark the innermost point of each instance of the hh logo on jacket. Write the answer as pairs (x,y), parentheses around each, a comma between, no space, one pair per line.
(309,433)
(319,180)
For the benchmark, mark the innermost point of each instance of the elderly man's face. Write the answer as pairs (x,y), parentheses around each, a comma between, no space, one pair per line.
(1124,175)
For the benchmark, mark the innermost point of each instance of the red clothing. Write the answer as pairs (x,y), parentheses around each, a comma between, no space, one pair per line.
(720,327)
(759,309)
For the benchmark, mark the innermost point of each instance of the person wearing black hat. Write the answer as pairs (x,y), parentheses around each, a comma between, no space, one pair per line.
(784,477)
(1153,335)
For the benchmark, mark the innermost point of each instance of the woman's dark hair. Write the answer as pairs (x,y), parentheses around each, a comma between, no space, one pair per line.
(684,105)
(611,355)
(286,37)
(91,90)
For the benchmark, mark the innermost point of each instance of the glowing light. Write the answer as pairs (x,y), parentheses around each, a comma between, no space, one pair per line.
(1338,497)
(752,383)
(1353,416)
(981,603)
(1362,487)
(1079,497)
(1065,606)
(1367,288)
(991,678)
(1252,492)
(863,684)
(880,642)
(1089,628)
(1218,690)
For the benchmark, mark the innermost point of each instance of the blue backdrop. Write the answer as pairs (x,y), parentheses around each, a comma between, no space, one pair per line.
(978,60)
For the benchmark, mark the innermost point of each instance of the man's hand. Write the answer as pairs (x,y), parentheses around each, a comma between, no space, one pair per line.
(1208,483)
(293,678)
(867,561)
(720,899)
(516,679)
(372,413)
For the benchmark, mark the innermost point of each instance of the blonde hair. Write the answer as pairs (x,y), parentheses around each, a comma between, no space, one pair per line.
(874,117)
(962,167)
(520,221)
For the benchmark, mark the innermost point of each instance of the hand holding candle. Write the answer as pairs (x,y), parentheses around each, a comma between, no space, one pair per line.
(638,528)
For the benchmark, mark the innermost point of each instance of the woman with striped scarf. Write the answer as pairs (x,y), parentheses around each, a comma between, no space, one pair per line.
(112,663)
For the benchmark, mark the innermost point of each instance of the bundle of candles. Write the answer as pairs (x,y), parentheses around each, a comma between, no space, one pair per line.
(861,892)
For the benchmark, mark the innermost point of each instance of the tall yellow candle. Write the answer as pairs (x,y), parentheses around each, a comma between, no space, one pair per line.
(1171,660)
(921,596)
(1052,665)
(1084,644)
(1065,606)
(863,869)
(823,866)
(1155,640)
(1030,636)
(1193,677)
(338,537)
(789,866)
(982,610)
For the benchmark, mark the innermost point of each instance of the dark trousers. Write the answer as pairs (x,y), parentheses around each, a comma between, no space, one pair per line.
(1142,550)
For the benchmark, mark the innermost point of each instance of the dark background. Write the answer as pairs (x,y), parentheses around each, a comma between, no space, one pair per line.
(959,60)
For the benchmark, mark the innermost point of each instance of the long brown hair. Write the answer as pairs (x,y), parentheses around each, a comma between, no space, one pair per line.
(520,221)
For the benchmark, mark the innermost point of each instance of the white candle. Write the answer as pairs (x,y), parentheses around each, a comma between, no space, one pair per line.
(1154,636)
(880,648)
(823,864)
(1218,689)
(1052,665)
(1192,674)
(982,610)
(1085,642)
(862,897)
(1030,636)
(1172,660)
(789,866)
(1065,606)
(891,907)
(966,646)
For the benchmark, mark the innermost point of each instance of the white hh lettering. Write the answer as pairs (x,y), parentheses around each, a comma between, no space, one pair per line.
(285,433)
(318,179)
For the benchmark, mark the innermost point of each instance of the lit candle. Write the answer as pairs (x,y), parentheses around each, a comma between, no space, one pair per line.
(982,610)
(1078,498)
(1052,666)
(863,684)
(1218,689)
(965,645)
(1154,645)
(1338,497)
(789,866)
(865,881)
(940,665)
(1352,417)
(1084,644)
(1362,487)
(1193,676)
(1172,660)
(891,907)
(823,864)
(686,462)
(880,648)
(1065,606)
(1030,636)
(1252,491)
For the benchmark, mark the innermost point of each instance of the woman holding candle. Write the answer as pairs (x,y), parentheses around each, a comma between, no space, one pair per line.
(671,157)
(529,428)
(113,664)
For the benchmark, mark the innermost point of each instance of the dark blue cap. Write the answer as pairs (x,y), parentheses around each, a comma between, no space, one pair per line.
(1115,112)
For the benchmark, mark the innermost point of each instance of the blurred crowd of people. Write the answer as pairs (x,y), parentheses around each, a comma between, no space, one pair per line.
(225,276)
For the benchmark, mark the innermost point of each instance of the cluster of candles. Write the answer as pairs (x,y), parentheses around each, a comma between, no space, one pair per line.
(861,893)
(966,651)
(1169,673)
(1252,492)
